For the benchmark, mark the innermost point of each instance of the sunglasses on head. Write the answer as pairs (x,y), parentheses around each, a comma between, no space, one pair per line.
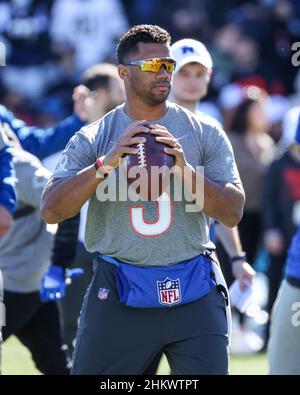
(154,64)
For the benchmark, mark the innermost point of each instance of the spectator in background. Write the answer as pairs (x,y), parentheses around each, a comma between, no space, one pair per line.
(290,122)
(42,142)
(90,27)
(24,258)
(7,183)
(284,344)
(254,151)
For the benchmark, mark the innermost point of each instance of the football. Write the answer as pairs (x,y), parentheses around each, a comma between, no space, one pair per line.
(147,171)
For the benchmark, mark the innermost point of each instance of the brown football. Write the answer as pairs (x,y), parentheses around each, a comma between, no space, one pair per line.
(149,168)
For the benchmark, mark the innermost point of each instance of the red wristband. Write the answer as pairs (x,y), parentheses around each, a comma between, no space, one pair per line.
(99,166)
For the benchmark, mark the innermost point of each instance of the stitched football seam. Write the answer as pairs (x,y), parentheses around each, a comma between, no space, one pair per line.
(141,155)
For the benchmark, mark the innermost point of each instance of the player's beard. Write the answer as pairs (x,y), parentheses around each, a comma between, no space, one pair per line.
(151,94)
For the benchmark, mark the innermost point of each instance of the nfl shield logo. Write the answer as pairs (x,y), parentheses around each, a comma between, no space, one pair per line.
(169,291)
(103,293)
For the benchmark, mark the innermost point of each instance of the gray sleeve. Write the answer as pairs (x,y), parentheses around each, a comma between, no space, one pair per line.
(219,162)
(32,178)
(77,155)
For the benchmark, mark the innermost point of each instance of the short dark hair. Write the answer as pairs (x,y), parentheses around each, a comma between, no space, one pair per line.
(140,34)
(99,76)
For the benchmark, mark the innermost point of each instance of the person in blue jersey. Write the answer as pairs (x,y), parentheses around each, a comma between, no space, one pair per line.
(7,184)
(7,206)
(89,105)
(145,295)
(284,342)
(41,142)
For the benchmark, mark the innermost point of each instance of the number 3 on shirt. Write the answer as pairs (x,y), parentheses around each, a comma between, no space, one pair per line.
(163,222)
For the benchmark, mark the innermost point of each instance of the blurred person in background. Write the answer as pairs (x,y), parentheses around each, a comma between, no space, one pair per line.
(290,123)
(254,151)
(284,343)
(101,90)
(7,186)
(24,258)
(7,207)
(42,142)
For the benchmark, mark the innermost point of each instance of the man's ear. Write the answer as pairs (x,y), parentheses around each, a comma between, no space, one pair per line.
(209,74)
(123,72)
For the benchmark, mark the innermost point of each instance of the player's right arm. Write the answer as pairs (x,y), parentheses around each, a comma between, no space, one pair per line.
(64,197)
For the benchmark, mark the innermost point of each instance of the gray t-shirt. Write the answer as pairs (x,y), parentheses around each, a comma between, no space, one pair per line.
(151,234)
(25,250)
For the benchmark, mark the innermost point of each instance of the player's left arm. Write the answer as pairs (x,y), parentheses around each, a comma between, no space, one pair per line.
(224,202)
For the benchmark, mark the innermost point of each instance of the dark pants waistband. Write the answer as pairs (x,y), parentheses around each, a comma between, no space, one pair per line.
(293,281)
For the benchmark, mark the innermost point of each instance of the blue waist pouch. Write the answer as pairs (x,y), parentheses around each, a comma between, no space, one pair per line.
(163,286)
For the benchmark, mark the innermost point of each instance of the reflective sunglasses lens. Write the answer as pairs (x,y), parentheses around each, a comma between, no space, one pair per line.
(146,66)
(155,65)
(151,65)
(170,66)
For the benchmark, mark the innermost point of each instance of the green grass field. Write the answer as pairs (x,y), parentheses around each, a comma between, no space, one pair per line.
(17,360)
